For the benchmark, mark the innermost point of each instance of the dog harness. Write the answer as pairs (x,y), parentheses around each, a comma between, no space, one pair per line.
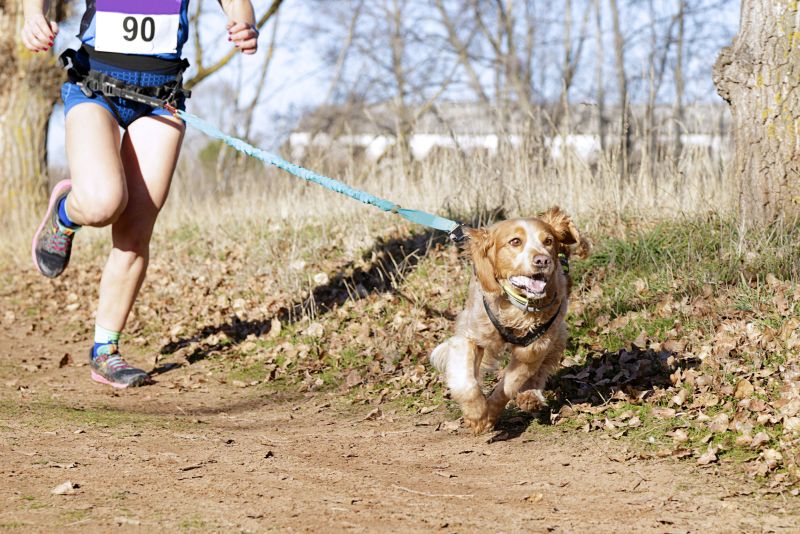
(521,341)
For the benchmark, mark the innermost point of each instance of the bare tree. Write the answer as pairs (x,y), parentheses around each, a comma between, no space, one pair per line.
(622,83)
(600,91)
(759,76)
(678,110)
(571,61)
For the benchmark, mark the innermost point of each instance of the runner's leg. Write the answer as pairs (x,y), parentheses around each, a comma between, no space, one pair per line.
(149,153)
(98,193)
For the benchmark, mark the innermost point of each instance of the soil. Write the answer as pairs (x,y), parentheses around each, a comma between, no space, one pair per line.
(196,452)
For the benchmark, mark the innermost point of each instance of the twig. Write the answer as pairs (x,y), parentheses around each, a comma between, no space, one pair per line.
(432,494)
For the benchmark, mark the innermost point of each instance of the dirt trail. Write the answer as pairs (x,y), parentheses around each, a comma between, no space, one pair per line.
(191,453)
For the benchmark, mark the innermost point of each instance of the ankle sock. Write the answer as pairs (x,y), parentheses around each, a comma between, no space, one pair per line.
(104,339)
(63,218)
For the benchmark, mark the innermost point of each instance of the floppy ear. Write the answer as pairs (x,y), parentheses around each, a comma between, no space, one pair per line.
(562,225)
(482,249)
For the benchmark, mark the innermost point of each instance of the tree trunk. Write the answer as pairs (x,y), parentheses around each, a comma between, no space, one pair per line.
(28,90)
(622,82)
(759,75)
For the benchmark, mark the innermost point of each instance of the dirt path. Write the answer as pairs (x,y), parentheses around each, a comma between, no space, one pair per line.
(192,453)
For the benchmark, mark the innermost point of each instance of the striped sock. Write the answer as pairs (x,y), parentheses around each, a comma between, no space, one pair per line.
(63,218)
(104,340)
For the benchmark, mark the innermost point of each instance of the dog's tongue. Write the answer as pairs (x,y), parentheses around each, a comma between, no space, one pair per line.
(529,284)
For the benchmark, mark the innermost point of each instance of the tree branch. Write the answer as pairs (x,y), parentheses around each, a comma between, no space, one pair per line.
(204,72)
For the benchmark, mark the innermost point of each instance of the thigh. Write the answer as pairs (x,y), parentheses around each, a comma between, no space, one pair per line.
(92,145)
(150,149)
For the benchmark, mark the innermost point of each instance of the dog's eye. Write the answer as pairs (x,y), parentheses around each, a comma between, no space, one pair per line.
(548,241)
(515,242)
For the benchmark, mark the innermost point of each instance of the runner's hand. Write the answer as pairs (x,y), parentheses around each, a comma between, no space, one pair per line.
(243,36)
(38,33)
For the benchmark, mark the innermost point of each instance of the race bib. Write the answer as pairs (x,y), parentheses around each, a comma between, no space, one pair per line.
(137,26)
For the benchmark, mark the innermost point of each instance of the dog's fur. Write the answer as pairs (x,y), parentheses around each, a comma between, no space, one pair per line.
(514,248)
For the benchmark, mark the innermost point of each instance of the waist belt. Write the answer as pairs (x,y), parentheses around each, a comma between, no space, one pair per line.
(92,81)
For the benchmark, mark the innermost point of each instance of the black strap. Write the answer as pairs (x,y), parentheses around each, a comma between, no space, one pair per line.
(92,81)
(509,337)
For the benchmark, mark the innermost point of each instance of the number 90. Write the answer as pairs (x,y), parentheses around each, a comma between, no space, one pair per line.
(131,27)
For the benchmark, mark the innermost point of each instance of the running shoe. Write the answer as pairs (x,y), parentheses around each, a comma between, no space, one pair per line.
(52,243)
(111,369)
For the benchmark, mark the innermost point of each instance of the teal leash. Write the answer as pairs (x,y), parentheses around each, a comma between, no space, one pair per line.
(415,216)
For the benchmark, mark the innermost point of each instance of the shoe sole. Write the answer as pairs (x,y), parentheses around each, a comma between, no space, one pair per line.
(97,378)
(59,188)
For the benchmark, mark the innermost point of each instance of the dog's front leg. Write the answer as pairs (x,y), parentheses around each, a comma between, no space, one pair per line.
(531,395)
(461,366)
(516,374)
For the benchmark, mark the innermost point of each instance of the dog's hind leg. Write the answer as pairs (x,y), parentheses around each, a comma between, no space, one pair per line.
(460,360)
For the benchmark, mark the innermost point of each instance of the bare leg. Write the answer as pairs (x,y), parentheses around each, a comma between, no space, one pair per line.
(149,153)
(98,193)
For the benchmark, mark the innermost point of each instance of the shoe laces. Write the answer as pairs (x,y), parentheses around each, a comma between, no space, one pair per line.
(59,240)
(114,361)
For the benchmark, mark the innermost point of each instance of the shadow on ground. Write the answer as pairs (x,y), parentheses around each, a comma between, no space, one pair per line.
(630,374)
(390,261)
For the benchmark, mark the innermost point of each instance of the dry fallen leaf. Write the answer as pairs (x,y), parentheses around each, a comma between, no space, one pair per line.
(680,397)
(743,389)
(709,457)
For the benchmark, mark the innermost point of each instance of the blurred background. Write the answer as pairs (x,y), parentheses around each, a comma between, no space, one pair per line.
(466,105)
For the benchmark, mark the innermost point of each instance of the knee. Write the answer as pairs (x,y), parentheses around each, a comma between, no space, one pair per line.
(101,208)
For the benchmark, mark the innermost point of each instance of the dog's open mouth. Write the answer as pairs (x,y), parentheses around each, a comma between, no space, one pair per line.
(533,285)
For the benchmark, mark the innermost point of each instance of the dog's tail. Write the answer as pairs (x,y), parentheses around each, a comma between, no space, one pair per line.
(439,355)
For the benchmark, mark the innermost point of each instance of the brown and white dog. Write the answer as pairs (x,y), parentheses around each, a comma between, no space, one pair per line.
(517,298)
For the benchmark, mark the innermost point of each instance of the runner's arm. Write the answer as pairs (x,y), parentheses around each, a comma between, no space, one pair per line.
(38,33)
(241,25)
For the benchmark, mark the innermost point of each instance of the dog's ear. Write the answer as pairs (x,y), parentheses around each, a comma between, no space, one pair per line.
(482,249)
(562,225)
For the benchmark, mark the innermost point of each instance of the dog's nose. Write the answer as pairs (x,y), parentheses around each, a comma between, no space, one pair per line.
(541,261)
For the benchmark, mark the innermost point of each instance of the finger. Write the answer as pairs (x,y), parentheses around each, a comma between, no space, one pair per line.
(237,27)
(54,27)
(27,42)
(36,42)
(40,39)
(43,29)
(246,44)
(244,35)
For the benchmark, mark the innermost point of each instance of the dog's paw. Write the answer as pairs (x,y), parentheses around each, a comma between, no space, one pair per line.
(531,400)
(479,426)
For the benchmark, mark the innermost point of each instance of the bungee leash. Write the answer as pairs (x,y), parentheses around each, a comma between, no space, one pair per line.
(436,222)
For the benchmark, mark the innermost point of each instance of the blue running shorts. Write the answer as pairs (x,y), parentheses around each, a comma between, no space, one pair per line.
(124,111)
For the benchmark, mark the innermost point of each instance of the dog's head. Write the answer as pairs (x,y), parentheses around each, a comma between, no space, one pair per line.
(522,252)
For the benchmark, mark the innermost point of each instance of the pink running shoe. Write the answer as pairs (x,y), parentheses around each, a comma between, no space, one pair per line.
(52,243)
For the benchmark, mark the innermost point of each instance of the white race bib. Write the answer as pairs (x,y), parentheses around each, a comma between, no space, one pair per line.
(137,26)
